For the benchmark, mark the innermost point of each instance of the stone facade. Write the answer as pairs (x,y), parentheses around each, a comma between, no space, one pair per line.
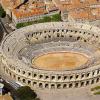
(76,35)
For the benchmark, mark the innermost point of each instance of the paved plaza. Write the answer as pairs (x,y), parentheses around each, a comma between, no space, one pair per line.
(83,93)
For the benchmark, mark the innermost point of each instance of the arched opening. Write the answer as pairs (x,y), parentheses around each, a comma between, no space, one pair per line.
(87,82)
(19,70)
(92,82)
(71,77)
(64,86)
(78,37)
(97,71)
(35,75)
(65,77)
(8,49)
(82,76)
(97,80)
(70,85)
(58,35)
(29,74)
(46,77)
(82,83)
(18,78)
(93,73)
(76,85)
(29,82)
(40,85)
(58,86)
(23,72)
(46,86)
(24,81)
(87,75)
(34,83)
(52,86)
(52,77)
(77,76)
(59,77)
(41,76)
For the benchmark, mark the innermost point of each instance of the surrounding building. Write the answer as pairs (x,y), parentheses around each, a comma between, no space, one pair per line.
(79,10)
(28,10)
(71,10)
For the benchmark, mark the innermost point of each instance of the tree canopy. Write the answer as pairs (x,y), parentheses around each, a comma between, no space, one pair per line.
(2,12)
(26,93)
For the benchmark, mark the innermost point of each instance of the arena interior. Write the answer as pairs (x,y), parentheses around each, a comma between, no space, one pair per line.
(54,55)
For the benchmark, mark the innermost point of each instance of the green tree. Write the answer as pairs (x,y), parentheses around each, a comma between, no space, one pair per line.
(25,93)
(2,12)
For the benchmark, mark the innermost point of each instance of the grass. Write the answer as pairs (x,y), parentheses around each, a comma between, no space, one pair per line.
(95,88)
(19,25)
(97,93)
(53,18)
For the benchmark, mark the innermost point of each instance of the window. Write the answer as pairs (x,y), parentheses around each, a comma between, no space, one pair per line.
(77,76)
(70,85)
(18,70)
(46,77)
(29,82)
(35,75)
(34,83)
(78,38)
(46,86)
(97,71)
(87,82)
(41,76)
(8,49)
(23,72)
(82,76)
(70,36)
(29,74)
(52,86)
(65,77)
(88,74)
(71,77)
(24,81)
(40,85)
(57,35)
(92,81)
(93,73)
(59,77)
(97,80)
(53,77)
(58,86)
(76,84)
(82,83)
(65,85)
(18,78)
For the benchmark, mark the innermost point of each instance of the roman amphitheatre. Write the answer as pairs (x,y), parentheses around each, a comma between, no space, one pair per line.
(55,55)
